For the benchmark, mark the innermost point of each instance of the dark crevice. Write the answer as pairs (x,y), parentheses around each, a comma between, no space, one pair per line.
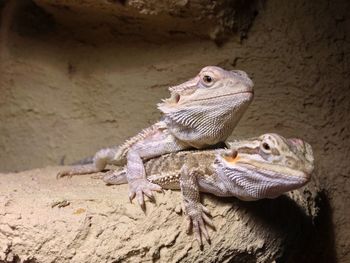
(32,21)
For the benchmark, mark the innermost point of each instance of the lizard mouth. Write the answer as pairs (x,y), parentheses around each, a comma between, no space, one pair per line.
(174,98)
(250,93)
(271,171)
(234,160)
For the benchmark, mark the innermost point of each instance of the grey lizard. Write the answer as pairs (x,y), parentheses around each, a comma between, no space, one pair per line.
(263,167)
(200,112)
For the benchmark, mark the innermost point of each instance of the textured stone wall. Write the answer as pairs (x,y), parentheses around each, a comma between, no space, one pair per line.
(67,90)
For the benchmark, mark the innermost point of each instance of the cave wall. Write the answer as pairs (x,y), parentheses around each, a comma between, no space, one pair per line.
(74,79)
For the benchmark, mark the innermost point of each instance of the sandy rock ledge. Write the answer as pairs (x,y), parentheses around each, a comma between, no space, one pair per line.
(83,220)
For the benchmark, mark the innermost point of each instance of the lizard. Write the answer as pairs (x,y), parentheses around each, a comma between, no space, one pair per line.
(262,167)
(200,112)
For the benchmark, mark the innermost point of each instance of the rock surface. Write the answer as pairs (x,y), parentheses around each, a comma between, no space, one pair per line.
(152,19)
(83,220)
(68,88)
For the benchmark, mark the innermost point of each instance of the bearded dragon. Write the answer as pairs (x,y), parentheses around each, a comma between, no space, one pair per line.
(263,167)
(200,112)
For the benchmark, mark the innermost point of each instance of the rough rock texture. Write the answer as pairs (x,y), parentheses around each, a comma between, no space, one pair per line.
(66,92)
(151,19)
(83,220)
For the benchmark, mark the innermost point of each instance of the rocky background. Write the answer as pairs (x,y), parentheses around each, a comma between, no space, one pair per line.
(76,76)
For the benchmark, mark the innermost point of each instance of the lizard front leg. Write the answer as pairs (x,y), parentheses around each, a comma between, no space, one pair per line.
(156,144)
(136,177)
(197,214)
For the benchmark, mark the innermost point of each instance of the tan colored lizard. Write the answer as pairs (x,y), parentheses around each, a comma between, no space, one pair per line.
(200,112)
(263,167)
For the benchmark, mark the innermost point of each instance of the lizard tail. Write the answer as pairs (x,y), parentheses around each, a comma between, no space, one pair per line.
(63,158)
(86,160)
(115,177)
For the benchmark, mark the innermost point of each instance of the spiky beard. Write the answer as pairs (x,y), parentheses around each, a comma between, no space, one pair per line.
(250,183)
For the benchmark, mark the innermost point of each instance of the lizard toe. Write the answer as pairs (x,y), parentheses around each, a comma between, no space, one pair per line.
(189,225)
(203,230)
(198,220)
(140,199)
(208,221)
(62,174)
(131,195)
(205,210)
(149,194)
(197,233)
(143,187)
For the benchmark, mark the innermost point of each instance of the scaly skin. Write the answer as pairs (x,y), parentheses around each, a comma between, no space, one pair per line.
(200,112)
(263,167)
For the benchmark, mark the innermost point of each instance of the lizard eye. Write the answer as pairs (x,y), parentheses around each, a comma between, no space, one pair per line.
(266,146)
(207,79)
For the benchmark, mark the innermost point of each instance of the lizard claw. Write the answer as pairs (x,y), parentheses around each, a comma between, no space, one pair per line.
(62,174)
(131,196)
(142,187)
(198,219)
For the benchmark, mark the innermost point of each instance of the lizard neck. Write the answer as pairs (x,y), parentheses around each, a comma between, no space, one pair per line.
(251,184)
(206,124)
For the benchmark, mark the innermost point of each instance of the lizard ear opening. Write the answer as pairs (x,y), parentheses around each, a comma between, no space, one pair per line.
(176,98)
(230,156)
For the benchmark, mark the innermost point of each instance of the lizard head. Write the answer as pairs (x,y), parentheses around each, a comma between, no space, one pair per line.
(214,99)
(266,167)
(211,79)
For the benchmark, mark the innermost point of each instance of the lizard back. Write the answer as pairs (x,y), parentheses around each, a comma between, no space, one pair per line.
(165,170)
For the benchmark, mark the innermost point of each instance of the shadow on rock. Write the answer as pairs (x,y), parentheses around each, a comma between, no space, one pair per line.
(306,237)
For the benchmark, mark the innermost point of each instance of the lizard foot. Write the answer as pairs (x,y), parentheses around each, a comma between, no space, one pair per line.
(139,187)
(62,174)
(198,218)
